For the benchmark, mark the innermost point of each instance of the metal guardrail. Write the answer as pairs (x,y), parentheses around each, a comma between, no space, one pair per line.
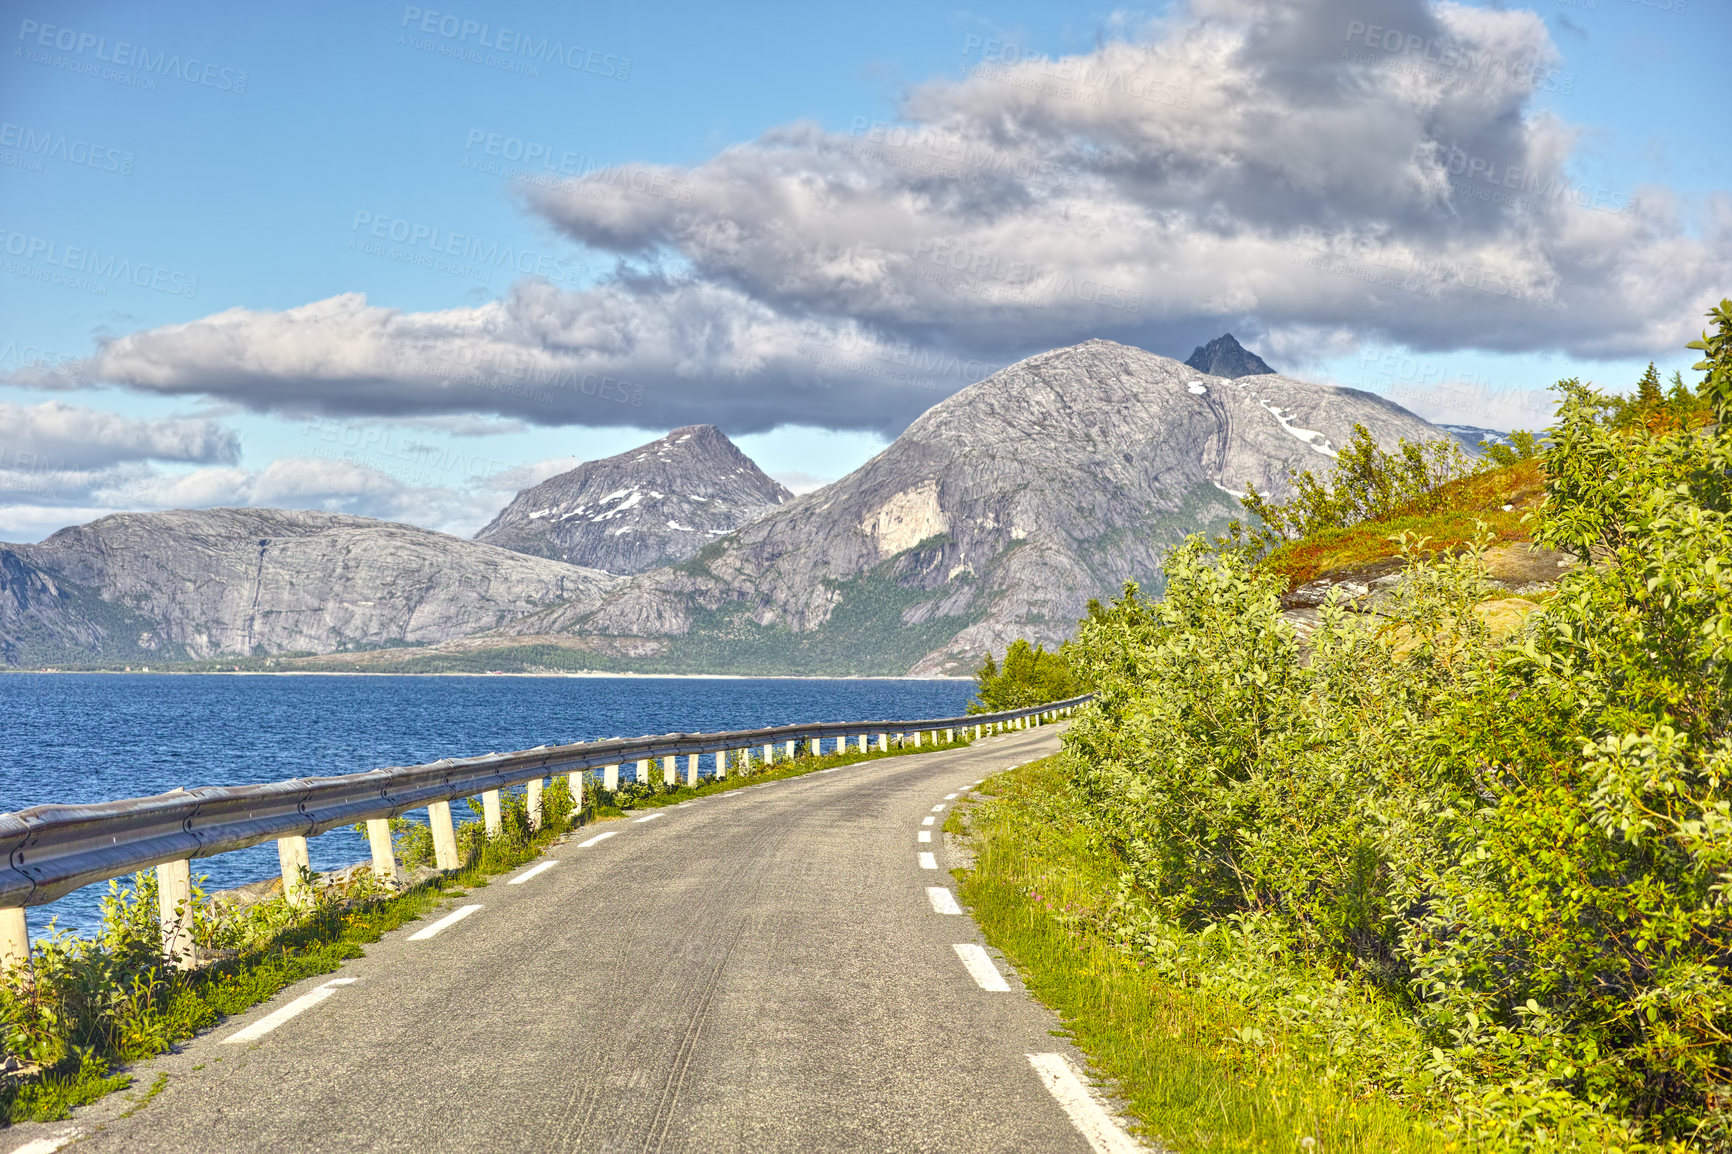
(51,850)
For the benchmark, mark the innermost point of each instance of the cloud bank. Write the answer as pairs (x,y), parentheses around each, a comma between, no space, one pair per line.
(1292,171)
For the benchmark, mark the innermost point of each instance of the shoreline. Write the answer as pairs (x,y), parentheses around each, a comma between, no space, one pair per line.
(455,673)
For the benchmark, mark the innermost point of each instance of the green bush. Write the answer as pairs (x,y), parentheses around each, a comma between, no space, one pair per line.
(1501,868)
(1030,676)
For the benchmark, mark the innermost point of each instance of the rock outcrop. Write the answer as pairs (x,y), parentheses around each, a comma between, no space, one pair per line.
(215,582)
(996,515)
(655,505)
(1226,357)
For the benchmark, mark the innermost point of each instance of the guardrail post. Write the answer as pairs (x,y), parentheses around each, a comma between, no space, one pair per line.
(862,743)
(444,836)
(670,770)
(574,780)
(610,778)
(790,751)
(532,798)
(770,754)
(883,743)
(721,763)
(643,771)
(384,856)
(692,770)
(490,812)
(292,856)
(14,942)
(919,737)
(174,911)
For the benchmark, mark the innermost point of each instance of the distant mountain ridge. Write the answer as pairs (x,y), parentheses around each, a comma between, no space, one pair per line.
(657,504)
(1226,357)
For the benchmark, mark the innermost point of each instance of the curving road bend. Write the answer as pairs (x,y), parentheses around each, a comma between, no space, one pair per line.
(773,969)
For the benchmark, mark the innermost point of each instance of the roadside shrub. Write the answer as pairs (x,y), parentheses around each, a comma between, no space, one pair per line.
(1030,676)
(1519,851)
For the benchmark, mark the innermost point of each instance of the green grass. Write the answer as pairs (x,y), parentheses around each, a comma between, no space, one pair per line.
(1194,1072)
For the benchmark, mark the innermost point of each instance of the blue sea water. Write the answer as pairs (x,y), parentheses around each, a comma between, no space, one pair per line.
(73,737)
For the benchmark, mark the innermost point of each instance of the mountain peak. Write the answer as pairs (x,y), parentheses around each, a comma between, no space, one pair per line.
(1226,357)
(657,504)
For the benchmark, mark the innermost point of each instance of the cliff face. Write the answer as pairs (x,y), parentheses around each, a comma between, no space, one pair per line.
(256,581)
(997,514)
(656,505)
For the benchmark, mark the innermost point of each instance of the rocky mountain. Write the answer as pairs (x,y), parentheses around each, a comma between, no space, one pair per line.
(655,505)
(1226,357)
(997,514)
(1472,435)
(196,584)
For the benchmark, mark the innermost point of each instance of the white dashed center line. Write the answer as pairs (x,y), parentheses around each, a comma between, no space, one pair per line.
(979,965)
(533,871)
(443,923)
(925,835)
(927,861)
(300,1005)
(51,1143)
(950,797)
(1094,1123)
(596,838)
(925,821)
(939,808)
(650,817)
(943,902)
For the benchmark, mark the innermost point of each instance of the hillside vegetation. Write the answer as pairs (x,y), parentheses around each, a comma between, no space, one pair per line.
(1485,879)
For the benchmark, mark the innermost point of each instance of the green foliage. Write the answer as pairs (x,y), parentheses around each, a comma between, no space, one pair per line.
(1524,446)
(1030,676)
(1517,854)
(1366,484)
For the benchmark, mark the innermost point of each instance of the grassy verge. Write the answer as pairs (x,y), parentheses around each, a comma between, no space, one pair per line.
(96,1006)
(1196,1072)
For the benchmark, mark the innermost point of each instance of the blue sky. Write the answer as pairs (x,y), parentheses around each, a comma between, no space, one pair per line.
(318,150)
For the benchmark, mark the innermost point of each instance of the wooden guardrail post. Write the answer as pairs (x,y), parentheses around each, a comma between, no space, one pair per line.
(770,754)
(444,836)
(14,942)
(883,743)
(574,781)
(670,771)
(384,855)
(610,778)
(721,763)
(292,856)
(532,799)
(490,812)
(643,771)
(692,770)
(174,911)
(862,743)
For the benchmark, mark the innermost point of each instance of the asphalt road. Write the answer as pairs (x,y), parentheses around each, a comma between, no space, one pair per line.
(764,970)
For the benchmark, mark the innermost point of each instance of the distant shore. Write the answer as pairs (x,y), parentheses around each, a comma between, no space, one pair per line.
(550,673)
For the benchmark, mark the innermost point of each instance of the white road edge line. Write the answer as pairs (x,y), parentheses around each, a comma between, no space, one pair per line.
(925,821)
(1087,1115)
(51,1143)
(925,835)
(650,817)
(443,923)
(596,838)
(533,871)
(979,965)
(277,1017)
(950,797)
(943,901)
(939,808)
(927,861)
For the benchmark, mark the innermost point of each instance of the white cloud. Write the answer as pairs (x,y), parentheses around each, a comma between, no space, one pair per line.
(1330,171)
(54,435)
